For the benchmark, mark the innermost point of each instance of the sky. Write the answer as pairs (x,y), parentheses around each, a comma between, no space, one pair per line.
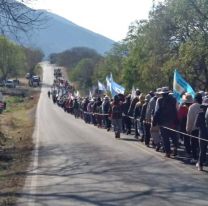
(110,18)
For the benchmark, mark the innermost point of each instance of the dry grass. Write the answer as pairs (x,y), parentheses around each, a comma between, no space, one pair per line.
(17,124)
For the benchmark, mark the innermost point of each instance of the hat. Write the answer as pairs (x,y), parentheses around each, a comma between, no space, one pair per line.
(187,98)
(152,93)
(141,97)
(158,90)
(128,96)
(198,98)
(202,93)
(116,98)
(138,92)
(148,97)
(106,98)
(205,102)
(164,90)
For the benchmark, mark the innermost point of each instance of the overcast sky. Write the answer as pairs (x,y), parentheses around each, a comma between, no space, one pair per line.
(110,18)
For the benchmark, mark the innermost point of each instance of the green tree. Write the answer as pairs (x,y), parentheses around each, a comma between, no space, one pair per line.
(33,57)
(12,58)
(82,74)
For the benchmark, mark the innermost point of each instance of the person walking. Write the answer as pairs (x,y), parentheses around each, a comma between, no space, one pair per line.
(154,130)
(137,114)
(105,110)
(146,125)
(191,128)
(202,124)
(76,108)
(126,118)
(49,94)
(187,101)
(166,117)
(116,115)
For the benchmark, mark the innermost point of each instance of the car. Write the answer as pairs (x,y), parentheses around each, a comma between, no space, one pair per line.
(2,83)
(16,81)
(34,81)
(27,76)
(10,83)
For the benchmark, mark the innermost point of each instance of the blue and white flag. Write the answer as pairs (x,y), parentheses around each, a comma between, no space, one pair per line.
(76,94)
(108,82)
(111,77)
(90,95)
(133,92)
(116,89)
(113,87)
(180,87)
(101,86)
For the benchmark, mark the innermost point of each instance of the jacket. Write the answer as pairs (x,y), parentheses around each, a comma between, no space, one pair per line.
(193,111)
(166,113)
(201,122)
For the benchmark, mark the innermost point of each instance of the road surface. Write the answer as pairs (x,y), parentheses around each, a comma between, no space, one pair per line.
(79,164)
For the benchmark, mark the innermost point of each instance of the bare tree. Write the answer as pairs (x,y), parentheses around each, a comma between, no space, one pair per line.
(16,17)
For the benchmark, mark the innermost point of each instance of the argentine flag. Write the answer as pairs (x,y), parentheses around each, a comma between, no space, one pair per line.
(113,87)
(180,87)
(108,82)
(116,89)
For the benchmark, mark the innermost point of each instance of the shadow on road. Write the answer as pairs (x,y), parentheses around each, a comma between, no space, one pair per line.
(98,177)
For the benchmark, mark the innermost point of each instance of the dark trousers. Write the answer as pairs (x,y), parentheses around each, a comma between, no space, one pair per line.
(87,117)
(127,123)
(195,144)
(107,122)
(202,152)
(94,121)
(136,127)
(166,136)
(147,134)
(187,143)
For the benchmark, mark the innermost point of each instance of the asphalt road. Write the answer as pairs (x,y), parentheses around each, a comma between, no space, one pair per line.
(79,164)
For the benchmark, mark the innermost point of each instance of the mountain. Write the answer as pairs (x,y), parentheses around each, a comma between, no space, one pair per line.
(60,34)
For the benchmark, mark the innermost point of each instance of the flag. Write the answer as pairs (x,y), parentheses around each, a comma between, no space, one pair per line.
(108,82)
(133,93)
(101,86)
(77,94)
(180,86)
(111,77)
(113,87)
(116,89)
(90,95)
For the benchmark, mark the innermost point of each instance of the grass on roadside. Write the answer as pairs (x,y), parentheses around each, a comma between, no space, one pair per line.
(16,144)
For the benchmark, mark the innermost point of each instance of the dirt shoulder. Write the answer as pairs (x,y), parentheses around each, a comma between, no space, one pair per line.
(16,144)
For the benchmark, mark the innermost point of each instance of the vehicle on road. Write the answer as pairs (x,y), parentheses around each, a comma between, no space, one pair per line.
(34,81)
(57,73)
(10,83)
(28,76)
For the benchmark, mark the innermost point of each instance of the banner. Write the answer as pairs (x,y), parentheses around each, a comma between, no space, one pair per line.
(180,87)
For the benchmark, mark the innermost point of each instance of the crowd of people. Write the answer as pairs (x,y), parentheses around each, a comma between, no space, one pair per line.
(156,119)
